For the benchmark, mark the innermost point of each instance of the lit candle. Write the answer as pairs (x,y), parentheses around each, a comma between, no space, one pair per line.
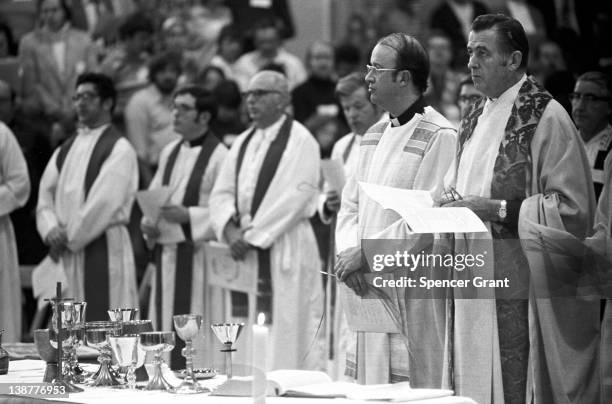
(259,348)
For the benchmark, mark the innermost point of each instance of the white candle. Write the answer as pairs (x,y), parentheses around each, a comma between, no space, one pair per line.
(259,349)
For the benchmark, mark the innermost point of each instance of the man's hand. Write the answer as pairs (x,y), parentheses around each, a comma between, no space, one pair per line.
(238,246)
(357,282)
(175,213)
(56,238)
(332,203)
(347,262)
(149,229)
(56,252)
(484,208)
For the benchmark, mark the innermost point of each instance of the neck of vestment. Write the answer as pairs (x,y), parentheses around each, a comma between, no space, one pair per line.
(418,107)
(258,158)
(511,176)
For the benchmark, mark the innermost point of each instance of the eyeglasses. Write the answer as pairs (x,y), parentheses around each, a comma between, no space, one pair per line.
(587,97)
(469,98)
(376,70)
(87,97)
(181,108)
(259,93)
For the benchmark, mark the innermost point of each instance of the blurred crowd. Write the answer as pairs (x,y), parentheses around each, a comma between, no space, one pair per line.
(150,48)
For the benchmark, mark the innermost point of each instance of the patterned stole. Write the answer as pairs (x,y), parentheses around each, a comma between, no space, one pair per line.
(96,278)
(184,251)
(511,181)
(266,174)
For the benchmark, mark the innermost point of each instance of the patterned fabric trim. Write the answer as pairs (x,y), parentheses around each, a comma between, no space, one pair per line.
(370,142)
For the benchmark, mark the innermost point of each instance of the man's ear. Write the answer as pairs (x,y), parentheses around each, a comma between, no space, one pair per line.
(107,104)
(514,61)
(404,77)
(204,117)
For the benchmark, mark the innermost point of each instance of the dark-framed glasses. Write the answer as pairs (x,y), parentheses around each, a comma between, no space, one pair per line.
(85,96)
(587,97)
(259,93)
(376,70)
(181,108)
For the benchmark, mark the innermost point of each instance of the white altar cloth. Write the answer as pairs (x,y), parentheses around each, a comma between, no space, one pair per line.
(32,371)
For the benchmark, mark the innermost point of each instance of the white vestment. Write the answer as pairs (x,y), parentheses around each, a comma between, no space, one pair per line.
(280,224)
(61,202)
(340,331)
(401,157)
(171,234)
(14,192)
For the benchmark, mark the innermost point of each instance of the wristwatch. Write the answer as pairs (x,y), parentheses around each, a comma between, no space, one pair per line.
(502,211)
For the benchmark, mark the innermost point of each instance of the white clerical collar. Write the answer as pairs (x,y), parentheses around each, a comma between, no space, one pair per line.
(270,132)
(85,130)
(602,137)
(510,94)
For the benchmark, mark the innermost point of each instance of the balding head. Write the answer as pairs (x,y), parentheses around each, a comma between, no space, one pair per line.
(267,97)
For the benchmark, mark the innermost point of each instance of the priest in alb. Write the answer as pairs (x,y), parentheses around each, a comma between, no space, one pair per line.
(86,195)
(14,192)
(189,167)
(413,150)
(265,194)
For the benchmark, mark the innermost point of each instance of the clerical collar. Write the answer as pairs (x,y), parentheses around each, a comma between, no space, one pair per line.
(198,140)
(417,108)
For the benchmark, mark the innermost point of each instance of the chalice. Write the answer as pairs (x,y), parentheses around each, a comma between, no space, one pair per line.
(227,333)
(136,326)
(123,314)
(125,349)
(187,327)
(96,335)
(158,342)
(47,353)
(78,330)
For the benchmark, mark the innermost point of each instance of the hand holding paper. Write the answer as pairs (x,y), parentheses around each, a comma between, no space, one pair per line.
(152,200)
(416,208)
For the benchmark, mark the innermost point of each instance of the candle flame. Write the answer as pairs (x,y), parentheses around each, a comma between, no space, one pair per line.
(261,319)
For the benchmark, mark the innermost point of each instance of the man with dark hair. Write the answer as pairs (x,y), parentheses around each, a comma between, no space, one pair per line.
(126,63)
(84,203)
(411,151)
(591,109)
(147,114)
(521,168)
(268,50)
(260,206)
(188,166)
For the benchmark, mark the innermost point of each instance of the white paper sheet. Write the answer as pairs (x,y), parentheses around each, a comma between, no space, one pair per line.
(416,208)
(44,279)
(223,271)
(333,172)
(152,200)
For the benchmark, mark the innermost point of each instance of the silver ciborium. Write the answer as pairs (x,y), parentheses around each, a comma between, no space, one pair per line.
(62,336)
(96,335)
(158,342)
(227,333)
(187,327)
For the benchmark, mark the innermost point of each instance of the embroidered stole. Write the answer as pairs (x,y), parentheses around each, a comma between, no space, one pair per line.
(266,174)
(96,271)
